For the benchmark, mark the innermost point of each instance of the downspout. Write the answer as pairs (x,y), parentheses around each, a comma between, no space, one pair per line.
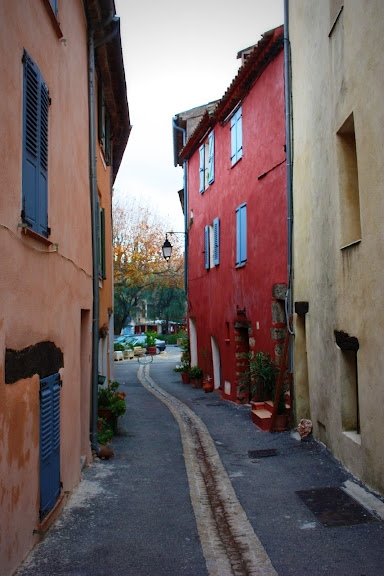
(288,142)
(185,202)
(94,223)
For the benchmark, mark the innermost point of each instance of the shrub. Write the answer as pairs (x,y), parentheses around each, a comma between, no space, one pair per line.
(118,347)
(195,372)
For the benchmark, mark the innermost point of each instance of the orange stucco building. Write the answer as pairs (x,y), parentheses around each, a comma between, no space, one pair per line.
(64,124)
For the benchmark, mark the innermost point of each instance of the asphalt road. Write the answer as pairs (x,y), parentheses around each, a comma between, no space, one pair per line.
(148,512)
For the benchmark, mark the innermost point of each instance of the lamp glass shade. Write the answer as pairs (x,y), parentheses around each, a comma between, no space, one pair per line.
(167,249)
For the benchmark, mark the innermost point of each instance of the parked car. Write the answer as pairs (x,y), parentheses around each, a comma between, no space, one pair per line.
(140,340)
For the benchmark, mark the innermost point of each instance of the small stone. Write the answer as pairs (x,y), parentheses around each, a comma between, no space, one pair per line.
(305,427)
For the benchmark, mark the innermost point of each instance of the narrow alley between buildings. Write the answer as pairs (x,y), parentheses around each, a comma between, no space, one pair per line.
(195,489)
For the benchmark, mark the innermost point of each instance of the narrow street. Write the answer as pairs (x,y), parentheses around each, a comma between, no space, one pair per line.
(187,494)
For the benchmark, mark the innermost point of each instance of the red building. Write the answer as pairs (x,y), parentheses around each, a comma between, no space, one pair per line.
(236,214)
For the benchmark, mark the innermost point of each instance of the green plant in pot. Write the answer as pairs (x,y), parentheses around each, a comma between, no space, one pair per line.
(151,341)
(118,347)
(259,380)
(196,376)
(111,404)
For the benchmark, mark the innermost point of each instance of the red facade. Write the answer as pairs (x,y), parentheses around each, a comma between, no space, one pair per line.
(235,301)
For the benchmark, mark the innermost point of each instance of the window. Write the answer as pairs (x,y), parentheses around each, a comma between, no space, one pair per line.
(236,136)
(104,125)
(207,258)
(348,179)
(207,162)
(216,241)
(241,235)
(101,243)
(36,102)
(212,244)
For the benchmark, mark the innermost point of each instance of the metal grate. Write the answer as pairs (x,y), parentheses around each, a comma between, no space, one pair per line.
(334,507)
(263,453)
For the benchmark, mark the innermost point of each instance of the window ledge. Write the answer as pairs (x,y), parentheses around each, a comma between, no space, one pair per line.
(354,436)
(29,232)
(351,244)
(52,17)
(240,265)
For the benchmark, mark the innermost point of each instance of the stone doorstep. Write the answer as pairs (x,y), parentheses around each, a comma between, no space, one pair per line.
(262,414)
(262,418)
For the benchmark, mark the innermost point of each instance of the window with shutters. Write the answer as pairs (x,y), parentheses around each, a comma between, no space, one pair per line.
(241,235)
(101,243)
(212,244)
(236,136)
(104,125)
(36,101)
(207,162)
(50,485)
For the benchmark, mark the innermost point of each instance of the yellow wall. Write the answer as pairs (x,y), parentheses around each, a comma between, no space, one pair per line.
(337,74)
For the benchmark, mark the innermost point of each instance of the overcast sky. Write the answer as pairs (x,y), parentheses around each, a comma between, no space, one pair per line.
(177,55)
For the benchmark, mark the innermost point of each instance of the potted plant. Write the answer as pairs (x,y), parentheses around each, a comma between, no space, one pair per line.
(184,371)
(151,342)
(196,376)
(259,380)
(208,384)
(111,404)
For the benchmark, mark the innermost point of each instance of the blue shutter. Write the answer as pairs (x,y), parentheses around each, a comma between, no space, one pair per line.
(236,136)
(216,241)
(43,167)
(241,234)
(35,149)
(233,140)
(49,443)
(30,142)
(211,157)
(206,248)
(54,5)
(202,168)
(239,134)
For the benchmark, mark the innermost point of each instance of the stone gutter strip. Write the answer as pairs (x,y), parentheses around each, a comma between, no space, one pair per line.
(230,545)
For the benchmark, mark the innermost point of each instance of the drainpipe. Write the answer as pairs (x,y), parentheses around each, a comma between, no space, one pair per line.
(185,201)
(94,222)
(288,137)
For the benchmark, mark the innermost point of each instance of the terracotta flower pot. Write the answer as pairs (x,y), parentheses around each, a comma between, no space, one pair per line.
(152,350)
(208,385)
(184,377)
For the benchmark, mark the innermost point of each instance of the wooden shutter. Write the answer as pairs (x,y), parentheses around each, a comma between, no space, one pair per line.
(211,157)
(236,136)
(241,234)
(35,149)
(239,134)
(49,443)
(216,241)
(206,248)
(202,168)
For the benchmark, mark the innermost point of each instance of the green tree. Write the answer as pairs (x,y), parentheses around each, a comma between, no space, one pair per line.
(139,266)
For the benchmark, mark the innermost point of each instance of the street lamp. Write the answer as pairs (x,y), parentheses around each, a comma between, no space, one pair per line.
(167,246)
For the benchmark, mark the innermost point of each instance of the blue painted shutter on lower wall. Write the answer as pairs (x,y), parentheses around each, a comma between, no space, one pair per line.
(206,248)
(216,241)
(50,484)
(35,149)
(202,168)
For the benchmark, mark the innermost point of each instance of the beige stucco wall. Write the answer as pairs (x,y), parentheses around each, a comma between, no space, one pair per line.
(43,293)
(335,74)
